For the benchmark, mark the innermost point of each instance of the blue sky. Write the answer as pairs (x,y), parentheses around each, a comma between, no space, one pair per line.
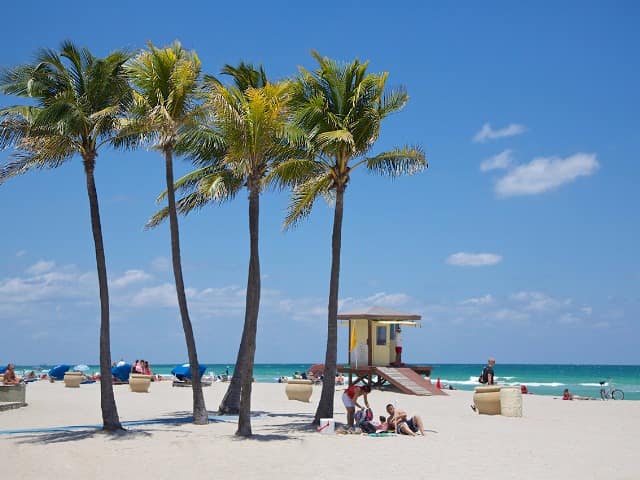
(520,241)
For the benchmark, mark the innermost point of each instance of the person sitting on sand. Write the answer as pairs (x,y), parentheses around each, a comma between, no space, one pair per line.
(567,395)
(10,376)
(350,400)
(400,423)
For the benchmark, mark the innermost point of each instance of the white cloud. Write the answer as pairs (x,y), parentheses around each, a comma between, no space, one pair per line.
(161,264)
(159,296)
(21,253)
(539,301)
(41,266)
(509,315)
(544,174)
(488,133)
(500,161)
(381,299)
(484,300)
(464,259)
(129,277)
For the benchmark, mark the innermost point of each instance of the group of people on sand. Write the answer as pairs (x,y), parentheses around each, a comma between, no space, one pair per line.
(396,421)
(142,367)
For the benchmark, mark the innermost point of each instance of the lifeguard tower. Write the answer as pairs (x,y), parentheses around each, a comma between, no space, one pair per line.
(372,335)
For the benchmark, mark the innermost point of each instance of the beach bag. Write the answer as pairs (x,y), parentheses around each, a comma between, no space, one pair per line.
(367,427)
(363,416)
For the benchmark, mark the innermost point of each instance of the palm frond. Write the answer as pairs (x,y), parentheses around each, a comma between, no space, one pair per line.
(303,198)
(293,172)
(399,161)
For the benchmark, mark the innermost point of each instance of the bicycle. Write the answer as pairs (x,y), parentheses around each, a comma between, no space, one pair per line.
(609,393)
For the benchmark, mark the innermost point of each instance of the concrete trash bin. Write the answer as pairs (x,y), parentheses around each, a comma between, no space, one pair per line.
(511,402)
(14,393)
(73,379)
(487,400)
(300,390)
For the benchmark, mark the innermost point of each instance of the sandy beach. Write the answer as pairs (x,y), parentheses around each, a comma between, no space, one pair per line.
(554,438)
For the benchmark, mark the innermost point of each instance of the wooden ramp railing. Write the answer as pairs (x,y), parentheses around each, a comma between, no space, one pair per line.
(407,381)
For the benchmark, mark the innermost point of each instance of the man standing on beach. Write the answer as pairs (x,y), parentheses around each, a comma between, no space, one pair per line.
(487,375)
(398,362)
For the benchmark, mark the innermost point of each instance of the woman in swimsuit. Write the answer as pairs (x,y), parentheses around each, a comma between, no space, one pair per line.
(350,400)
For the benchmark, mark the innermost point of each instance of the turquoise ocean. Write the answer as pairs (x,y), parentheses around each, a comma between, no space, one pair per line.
(539,379)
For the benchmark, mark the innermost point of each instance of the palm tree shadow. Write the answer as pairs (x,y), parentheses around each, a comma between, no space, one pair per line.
(75,436)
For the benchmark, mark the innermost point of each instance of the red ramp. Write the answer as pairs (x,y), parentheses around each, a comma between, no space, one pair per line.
(407,381)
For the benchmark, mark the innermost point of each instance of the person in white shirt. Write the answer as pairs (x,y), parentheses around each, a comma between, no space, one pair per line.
(398,361)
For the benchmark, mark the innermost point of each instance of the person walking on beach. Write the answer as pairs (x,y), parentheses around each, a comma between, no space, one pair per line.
(487,375)
(350,400)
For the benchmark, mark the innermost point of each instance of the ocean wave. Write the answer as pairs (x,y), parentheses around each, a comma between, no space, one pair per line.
(474,381)
(536,384)
(591,384)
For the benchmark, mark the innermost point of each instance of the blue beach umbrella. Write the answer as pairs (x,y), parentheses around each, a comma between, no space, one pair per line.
(81,368)
(2,370)
(184,371)
(122,372)
(57,372)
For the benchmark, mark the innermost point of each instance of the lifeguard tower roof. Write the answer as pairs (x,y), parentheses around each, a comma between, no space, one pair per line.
(378,313)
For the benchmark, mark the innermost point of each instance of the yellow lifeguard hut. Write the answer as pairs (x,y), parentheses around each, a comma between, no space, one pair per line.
(372,352)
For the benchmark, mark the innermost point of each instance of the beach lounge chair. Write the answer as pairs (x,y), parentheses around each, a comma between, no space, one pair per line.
(182,374)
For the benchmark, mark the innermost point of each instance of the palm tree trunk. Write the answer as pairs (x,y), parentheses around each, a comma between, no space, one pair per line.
(325,407)
(110,419)
(251,312)
(230,404)
(200,415)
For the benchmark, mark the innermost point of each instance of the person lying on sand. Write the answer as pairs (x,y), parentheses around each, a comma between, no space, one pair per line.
(399,422)
(567,395)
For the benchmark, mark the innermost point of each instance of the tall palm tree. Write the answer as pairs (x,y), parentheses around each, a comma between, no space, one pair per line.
(166,84)
(76,100)
(340,107)
(247,135)
(244,76)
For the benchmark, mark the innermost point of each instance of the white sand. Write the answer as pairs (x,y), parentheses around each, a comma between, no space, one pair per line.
(555,439)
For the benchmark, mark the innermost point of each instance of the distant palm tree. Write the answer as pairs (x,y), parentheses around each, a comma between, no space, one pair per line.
(246,136)
(340,107)
(165,107)
(77,101)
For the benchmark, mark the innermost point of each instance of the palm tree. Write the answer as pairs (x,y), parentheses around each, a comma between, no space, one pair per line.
(247,135)
(341,108)
(75,103)
(165,107)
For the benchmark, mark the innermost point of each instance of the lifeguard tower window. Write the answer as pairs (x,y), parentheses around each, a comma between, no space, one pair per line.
(392,332)
(381,335)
